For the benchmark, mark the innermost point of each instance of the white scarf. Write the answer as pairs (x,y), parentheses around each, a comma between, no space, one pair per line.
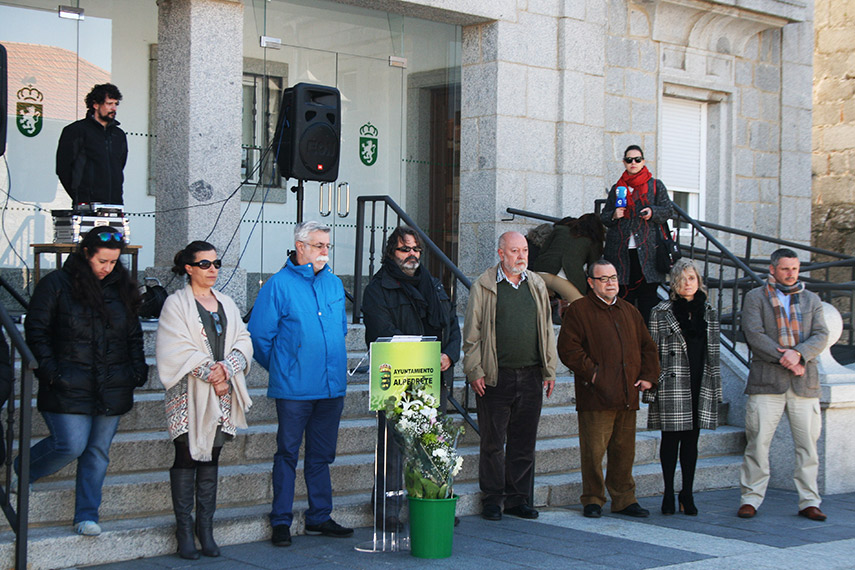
(181,347)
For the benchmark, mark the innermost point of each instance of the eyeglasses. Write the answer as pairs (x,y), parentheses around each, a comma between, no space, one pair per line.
(630,159)
(408,249)
(606,279)
(207,263)
(107,236)
(319,246)
(217,324)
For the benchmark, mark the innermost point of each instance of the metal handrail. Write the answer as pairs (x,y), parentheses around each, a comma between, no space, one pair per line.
(18,518)
(15,295)
(390,204)
(745,270)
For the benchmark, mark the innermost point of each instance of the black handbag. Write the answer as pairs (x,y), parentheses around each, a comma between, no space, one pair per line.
(667,250)
(152,299)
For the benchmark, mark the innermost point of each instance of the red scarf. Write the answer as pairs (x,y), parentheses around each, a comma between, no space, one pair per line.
(638,182)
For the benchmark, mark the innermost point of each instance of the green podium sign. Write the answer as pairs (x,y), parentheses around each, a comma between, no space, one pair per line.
(396,365)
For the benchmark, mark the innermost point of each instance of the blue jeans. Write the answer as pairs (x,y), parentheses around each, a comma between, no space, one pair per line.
(86,439)
(319,420)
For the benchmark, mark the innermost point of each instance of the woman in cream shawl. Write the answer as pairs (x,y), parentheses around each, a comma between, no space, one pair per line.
(203,352)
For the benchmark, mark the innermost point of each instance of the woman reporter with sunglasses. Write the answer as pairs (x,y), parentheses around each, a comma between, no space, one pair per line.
(632,231)
(83,329)
(203,352)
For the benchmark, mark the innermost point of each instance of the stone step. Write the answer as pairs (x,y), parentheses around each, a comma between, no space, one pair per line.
(148,411)
(146,493)
(136,451)
(354,344)
(354,339)
(133,452)
(128,539)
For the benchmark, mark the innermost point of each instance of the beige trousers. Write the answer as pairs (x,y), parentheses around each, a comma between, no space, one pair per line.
(762,415)
(559,285)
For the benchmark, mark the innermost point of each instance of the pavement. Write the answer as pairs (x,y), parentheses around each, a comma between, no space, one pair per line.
(775,539)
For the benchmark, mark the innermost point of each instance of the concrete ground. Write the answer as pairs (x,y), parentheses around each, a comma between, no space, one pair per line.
(715,539)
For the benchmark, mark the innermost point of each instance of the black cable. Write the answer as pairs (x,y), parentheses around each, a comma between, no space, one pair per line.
(3,226)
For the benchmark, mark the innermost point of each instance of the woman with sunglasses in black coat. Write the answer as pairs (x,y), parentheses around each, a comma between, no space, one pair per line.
(632,231)
(83,329)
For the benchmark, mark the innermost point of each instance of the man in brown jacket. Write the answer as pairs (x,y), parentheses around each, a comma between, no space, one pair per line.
(604,342)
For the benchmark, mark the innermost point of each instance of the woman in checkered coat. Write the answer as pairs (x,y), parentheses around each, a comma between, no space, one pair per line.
(686,329)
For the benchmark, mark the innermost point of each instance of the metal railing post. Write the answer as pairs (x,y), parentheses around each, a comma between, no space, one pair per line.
(357,260)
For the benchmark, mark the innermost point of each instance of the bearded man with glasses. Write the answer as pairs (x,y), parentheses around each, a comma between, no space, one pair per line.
(403,298)
(605,342)
(298,326)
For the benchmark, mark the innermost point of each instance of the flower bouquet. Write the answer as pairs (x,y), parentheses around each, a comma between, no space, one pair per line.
(429,441)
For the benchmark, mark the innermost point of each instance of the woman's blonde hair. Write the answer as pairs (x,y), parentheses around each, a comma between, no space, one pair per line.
(677,272)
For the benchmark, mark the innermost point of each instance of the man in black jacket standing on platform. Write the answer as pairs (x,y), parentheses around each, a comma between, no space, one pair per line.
(92,152)
(403,298)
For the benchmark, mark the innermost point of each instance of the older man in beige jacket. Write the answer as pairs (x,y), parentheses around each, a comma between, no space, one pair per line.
(509,358)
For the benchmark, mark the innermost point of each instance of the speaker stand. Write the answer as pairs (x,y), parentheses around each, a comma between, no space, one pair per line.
(298,190)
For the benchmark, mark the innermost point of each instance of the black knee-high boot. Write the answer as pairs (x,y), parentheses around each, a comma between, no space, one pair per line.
(668,460)
(182,482)
(206,504)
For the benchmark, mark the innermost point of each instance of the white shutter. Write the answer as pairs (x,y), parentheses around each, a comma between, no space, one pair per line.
(683,150)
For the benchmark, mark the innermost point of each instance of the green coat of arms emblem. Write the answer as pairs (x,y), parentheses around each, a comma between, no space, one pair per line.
(368,144)
(28,112)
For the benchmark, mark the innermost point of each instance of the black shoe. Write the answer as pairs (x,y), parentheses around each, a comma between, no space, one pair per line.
(522,511)
(687,503)
(281,535)
(329,528)
(634,510)
(668,507)
(593,511)
(491,513)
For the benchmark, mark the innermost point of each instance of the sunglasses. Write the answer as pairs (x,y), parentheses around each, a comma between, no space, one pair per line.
(408,249)
(630,159)
(107,236)
(218,326)
(207,263)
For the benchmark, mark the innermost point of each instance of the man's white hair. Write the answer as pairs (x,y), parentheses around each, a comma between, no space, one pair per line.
(303,229)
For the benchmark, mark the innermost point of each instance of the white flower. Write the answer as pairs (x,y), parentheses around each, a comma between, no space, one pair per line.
(458,465)
(429,412)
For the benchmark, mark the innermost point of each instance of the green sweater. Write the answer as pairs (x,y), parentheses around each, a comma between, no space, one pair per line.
(516,326)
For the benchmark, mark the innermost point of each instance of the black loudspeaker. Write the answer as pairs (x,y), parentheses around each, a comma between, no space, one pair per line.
(4,71)
(308,133)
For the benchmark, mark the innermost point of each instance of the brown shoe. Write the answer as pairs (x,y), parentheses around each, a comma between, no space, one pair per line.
(747,511)
(813,513)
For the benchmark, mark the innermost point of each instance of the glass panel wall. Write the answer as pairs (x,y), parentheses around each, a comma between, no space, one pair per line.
(53,62)
(391,71)
(386,67)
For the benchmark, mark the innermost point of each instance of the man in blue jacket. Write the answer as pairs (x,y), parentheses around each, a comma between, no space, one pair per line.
(298,327)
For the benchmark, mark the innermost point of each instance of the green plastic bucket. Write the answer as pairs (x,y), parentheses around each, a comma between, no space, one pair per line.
(431,527)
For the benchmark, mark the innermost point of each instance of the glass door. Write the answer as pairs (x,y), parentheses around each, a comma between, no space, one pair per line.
(372,160)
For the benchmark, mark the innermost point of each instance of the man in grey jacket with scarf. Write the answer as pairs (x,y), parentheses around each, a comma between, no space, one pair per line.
(785,329)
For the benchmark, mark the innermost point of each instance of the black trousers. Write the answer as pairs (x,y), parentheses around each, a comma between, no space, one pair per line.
(508,414)
(639,292)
